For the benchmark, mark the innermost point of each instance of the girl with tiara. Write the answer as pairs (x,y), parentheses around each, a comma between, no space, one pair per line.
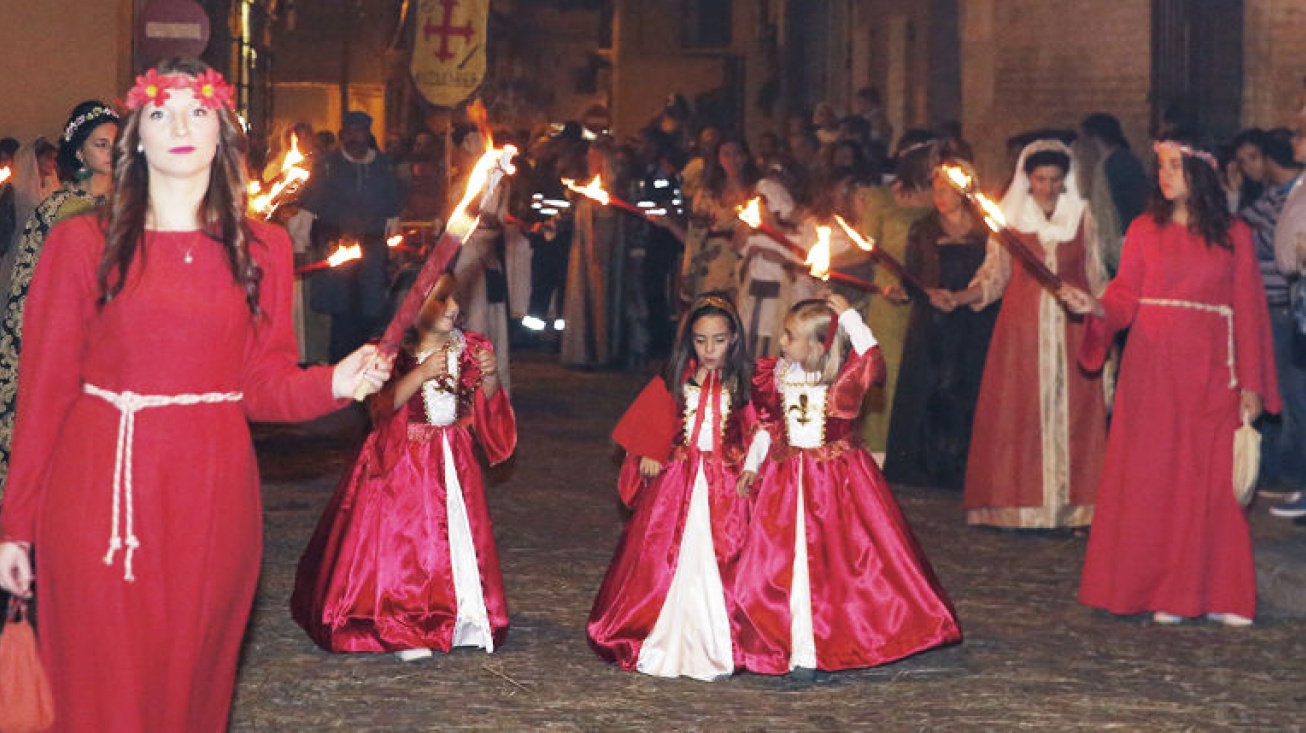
(403,559)
(666,604)
(831,576)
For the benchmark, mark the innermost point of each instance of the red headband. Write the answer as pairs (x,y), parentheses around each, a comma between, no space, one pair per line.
(209,88)
(832,331)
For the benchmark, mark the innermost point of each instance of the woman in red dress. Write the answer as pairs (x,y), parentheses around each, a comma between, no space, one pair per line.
(1036,456)
(152,336)
(403,558)
(1169,536)
(831,576)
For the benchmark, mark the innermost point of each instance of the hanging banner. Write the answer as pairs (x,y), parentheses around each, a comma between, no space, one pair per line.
(449,51)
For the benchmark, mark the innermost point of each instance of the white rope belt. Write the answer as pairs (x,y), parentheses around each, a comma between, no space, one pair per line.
(1223,310)
(130,403)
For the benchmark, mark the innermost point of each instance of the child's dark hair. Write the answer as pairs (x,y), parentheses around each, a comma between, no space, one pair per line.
(737,369)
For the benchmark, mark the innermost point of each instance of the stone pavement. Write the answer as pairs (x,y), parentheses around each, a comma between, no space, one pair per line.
(1033,658)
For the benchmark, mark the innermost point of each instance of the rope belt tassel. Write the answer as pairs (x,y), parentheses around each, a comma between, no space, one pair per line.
(123,532)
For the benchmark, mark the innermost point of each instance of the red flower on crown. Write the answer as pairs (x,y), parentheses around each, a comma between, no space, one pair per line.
(151,87)
(209,88)
(213,91)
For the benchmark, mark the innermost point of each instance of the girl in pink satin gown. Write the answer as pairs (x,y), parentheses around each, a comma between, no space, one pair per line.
(403,558)
(666,604)
(830,577)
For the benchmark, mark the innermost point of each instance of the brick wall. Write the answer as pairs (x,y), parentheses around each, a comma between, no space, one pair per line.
(1274,52)
(56,53)
(1029,64)
(650,63)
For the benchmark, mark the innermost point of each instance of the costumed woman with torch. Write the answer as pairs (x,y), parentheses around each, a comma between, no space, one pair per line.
(155,333)
(1170,537)
(886,215)
(943,356)
(1037,460)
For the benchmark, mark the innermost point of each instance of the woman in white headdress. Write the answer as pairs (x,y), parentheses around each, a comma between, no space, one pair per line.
(1036,455)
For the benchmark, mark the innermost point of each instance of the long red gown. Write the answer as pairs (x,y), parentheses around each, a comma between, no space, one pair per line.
(378,574)
(1040,422)
(635,589)
(157,653)
(1169,535)
(872,594)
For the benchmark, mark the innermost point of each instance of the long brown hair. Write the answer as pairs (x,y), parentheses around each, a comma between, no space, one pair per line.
(737,369)
(1208,212)
(222,210)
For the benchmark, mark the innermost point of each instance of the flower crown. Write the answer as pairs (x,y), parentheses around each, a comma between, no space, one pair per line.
(95,113)
(209,88)
(1186,151)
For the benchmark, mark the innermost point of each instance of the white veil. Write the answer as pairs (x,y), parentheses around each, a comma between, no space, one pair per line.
(1023,212)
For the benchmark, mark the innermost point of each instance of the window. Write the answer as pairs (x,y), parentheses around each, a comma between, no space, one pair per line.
(706,24)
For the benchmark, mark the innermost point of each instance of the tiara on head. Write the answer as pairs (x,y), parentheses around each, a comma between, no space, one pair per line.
(97,112)
(1186,151)
(1047,144)
(917,146)
(714,301)
(209,88)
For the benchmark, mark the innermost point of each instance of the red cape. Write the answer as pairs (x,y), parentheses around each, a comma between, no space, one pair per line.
(648,429)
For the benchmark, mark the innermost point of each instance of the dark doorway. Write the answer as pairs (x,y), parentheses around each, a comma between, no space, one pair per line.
(1197,67)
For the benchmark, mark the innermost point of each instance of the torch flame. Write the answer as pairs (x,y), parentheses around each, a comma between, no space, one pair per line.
(818,258)
(5,173)
(751,213)
(345,254)
(867,245)
(992,212)
(593,189)
(461,223)
(958,178)
(395,240)
(293,156)
(292,174)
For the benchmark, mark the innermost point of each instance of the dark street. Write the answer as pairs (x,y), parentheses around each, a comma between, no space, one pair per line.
(1033,658)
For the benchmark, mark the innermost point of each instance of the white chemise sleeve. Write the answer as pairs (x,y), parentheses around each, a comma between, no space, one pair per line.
(858,332)
(757,450)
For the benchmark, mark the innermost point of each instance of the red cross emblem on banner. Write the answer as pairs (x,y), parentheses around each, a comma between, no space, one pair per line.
(446,30)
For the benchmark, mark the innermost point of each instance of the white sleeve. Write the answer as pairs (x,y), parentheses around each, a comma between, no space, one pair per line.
(777,198)
(858,332)
(757,450)
(992,276)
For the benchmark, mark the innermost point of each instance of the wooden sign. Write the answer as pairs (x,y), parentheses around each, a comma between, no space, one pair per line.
(449,51)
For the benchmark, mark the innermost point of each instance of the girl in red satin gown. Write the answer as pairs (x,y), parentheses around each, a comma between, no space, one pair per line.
(666,605)
(830,577)
(403,558)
